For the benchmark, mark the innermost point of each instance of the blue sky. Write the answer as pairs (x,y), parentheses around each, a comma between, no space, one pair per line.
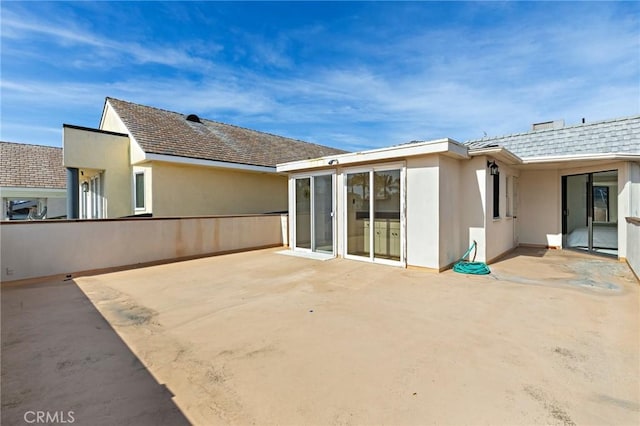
(351,75)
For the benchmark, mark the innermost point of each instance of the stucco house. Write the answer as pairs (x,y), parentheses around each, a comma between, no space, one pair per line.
(423,203)
(148,161)
(32,182)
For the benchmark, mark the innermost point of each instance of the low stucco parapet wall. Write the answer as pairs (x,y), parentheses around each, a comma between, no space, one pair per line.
(48,248)
(633,244)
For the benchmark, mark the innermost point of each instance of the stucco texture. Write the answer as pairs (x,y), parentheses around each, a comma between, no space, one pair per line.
(195,190)
(98,151)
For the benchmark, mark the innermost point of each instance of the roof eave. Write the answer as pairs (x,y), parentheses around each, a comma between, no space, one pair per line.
(500,153)
(582,157)
(444,146)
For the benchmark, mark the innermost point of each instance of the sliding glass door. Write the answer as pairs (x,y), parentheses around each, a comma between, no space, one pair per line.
(373,224)
(323,213)
(303,213)
(314,207)
(590,212)
(358,214)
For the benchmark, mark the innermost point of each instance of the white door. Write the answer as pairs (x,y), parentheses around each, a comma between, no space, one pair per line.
(314,213)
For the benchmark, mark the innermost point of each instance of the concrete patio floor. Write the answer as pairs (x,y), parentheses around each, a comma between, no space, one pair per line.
(550,337)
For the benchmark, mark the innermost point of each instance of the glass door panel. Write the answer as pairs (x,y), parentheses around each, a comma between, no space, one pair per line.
(358,214)
(323,213)
(591,210)
(604,228)
(303,213)
(386,217)
(576,212)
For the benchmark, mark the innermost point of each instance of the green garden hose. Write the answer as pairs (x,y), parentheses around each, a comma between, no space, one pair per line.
(475,268)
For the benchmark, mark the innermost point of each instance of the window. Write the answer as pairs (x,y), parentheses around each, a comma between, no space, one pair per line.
(496,195)
(139,190)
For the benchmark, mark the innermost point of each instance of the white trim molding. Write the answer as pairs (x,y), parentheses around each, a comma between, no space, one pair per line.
(440,146)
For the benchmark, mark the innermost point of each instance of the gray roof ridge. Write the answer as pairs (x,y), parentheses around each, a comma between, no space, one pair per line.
(573,126)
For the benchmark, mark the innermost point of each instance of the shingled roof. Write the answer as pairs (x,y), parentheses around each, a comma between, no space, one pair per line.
(620,136)
(159,131)
(31,166)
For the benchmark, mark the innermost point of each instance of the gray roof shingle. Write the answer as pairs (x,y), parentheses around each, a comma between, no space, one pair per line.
(164,132)
(621,135)
(31,166)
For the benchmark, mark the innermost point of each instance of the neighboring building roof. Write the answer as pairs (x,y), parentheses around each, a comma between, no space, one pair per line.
(621,135)
(159,131)
(31,166)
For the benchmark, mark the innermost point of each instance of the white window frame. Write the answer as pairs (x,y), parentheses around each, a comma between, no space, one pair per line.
(92,202)
(135,191)
(403,212)
(292,192)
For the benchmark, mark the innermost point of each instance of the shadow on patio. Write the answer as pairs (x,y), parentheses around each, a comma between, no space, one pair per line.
(61,357)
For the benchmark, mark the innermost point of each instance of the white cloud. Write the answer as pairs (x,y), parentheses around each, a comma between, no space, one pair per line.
(110,52)
(422,84)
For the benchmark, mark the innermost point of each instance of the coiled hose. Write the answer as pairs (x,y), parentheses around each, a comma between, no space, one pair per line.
(474,268)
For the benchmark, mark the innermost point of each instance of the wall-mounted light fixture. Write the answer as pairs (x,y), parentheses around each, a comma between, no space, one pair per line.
(85,186)
(493,168)
(334,161)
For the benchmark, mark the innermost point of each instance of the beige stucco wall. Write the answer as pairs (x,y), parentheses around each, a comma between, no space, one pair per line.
(96,244)
(423,211)
(500,231)
(85,149)
(628,206)
(633,251)
(472,204)
(112,122)
(630,193)
(539,213)
(452,236)
(196,190)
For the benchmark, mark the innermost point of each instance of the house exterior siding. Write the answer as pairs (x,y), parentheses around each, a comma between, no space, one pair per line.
(501,230)
(450,192)
(94,152)
(472,204)
(423,211)
(539,213)
(212,191)
(451,229)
